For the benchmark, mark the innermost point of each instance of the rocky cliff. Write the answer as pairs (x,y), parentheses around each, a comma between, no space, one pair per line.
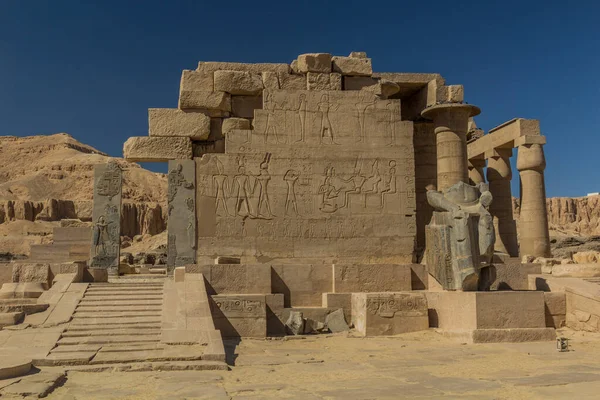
(49,178)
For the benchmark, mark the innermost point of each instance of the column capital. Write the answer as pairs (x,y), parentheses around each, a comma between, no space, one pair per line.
(531,157)
(498,167)
(445,109)
(530,139)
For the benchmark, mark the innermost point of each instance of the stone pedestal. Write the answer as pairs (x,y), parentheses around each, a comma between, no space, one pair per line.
(499,174)
(106,217)
(242,315)
(480,317)
(533,221)
(389,313)
(451,123)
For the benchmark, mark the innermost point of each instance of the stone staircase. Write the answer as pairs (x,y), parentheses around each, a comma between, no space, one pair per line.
(117,323)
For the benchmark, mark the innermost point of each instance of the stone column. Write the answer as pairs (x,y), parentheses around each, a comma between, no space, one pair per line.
(476,175)
(451,121)
(499,174)
(533,222)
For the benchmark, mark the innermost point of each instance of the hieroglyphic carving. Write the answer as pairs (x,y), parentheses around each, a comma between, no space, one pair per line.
(361,108)
(392,304)
(106,217)
(326,130)
(181,225)
(232,306)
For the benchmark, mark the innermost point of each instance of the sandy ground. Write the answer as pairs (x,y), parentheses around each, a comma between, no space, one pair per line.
(418,365)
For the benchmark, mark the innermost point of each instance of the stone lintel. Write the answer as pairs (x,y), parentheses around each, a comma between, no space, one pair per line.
(157,149)
(523,140)
(498,152)
(503,136)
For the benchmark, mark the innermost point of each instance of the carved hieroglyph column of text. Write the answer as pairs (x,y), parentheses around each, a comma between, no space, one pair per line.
(499,174)
(533,222)
(451,121)
(476,175)
(181,225)
(106,218)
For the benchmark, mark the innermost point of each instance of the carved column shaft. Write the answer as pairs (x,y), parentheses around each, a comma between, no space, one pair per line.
(533,222)
(476,175)
(499,174)
(451,122)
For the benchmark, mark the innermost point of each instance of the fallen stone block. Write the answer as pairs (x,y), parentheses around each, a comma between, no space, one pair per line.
(11,318)
(36,385)
(200,99)
(157,149)
(12,367)
(336,322)
(352,66)
(314,62)
(26,290)
(238,82)
(576,270)
(174,122)
(32,273)
(295,323)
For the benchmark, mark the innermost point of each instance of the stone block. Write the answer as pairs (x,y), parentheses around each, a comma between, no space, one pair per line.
(586,257)
(513,275)
(179,274)
(352,66)
(320,81)
(451,93)
(358,54)
(238,82)
(244,106)
(270,80)
(240,315)
(157,149)
(419,277)
(576,270)
(235,123)
(212,66)
(371,278)
(32,273)
(377,314)
(174,122)
(201,99)
(292,82)
(336,321)
(275,308)
(339,300)
(236,278)
(314,62)
(358,82)
(295,323)
(196,80)
(10,319)
(302,285)
(556,309)
(26,290)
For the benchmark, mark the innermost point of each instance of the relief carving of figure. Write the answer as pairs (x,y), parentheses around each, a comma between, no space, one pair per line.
(390,183)
(262,180)
(100,236)
(301,110)
(176,179)
(221,182)
(328,192)
(326,130)
(243,191)
(361,109)
(290,177)
(271,125)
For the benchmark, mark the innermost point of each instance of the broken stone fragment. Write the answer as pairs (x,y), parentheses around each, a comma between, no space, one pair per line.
(314,62)
(316,81)
(238,82)
(174,122)
(295,323)
(383,89)
(312,326)
(193,99)
(352,66)
(336,322)
(235,123)
(450,94)
(358,54)
(157,149)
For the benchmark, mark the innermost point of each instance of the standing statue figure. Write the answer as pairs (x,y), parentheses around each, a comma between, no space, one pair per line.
(460,237)
(100,236)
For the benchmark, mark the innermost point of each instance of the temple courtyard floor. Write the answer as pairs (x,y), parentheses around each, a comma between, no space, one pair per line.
(416,365)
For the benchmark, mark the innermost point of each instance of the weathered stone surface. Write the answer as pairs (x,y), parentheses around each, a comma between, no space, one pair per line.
(240,315)
(235,123)
(32,273)
(586,257)
(336,321)
(576,270)
(292,82)
(320,81)
(238,82)
(339,300)
(295,323)
(157,149)
(314,62)
(358,82)
(174,122)
(270,80)
(212,66)
(202,99)
(371,278)
(234,278)
(10,319)
(196,80)
(375,314)
(352,66)
(303,285)
(106,218)
(12,367)
(181,242)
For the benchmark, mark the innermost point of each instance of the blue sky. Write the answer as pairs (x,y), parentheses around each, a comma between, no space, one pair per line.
(93,68)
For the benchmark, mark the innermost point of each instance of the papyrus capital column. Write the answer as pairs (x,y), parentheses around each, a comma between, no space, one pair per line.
(451,122)
(499,174)
(533,222)
(476,174)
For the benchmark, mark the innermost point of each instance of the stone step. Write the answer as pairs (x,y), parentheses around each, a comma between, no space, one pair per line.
(125,288)
(65,358)
(111,327)
(123,314)
(108,295)
(107,339)
(166,354)
(76,347)
(132,347)
(119,308)
(122,299)
(130,277)
(153,366)
(24,308)
(121,332)
(115,321)
(126,283)
(17,301)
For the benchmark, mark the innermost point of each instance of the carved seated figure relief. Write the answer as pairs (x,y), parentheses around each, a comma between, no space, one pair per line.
(460,237)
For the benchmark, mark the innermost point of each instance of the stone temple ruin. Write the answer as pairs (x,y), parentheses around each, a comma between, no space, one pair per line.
(321,195)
